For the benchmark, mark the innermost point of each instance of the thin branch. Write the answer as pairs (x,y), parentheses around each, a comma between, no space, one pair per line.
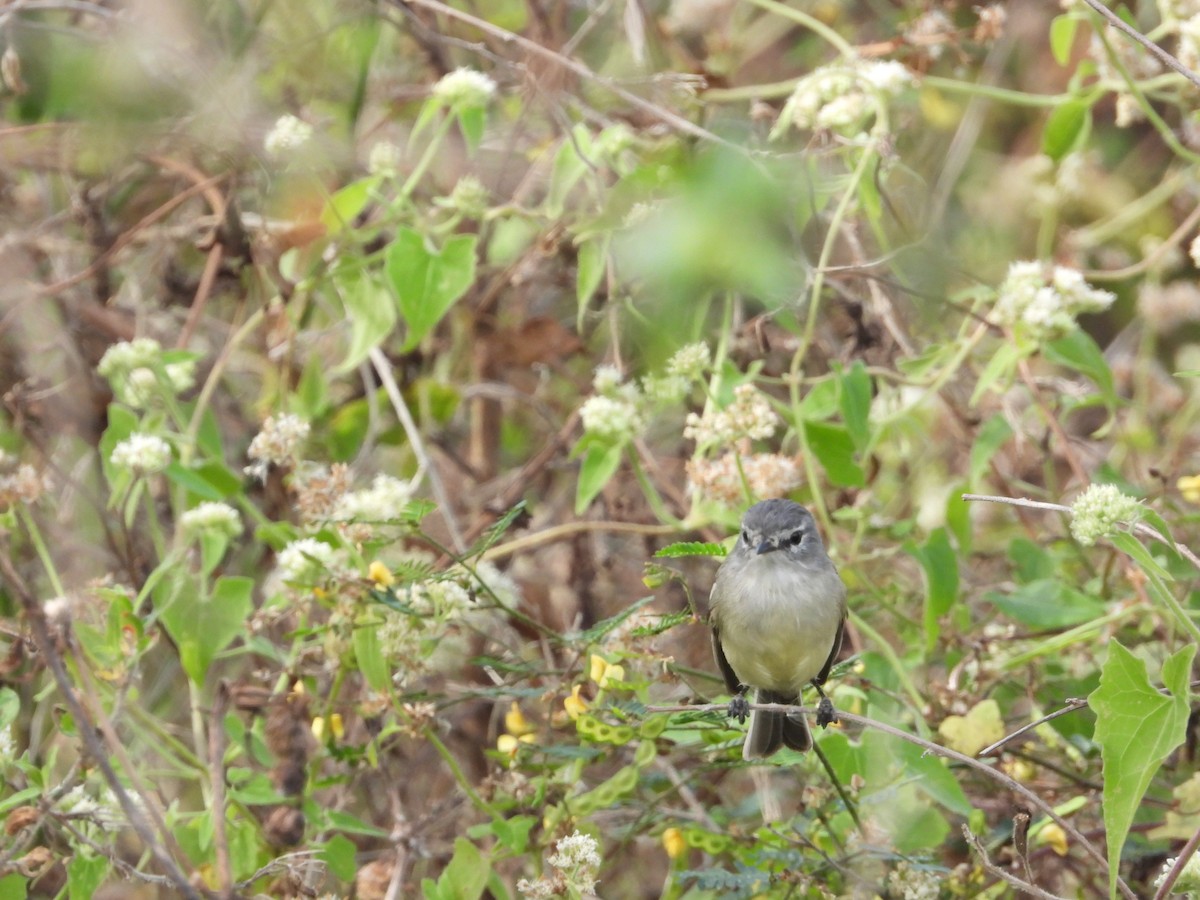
(1176,870)
(1162,55)
(424,464)
(1021,885)
(664,115)
(1072,704)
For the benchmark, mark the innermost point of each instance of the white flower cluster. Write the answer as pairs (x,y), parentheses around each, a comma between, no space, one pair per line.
(1188,881)
(766,475)
(469,198)
(214,518)
(384,158)
(614,412)
(287,134)
(381,502)
(132,370)
(1177,10)
(577,862)
(690,361)
(911,883)
(842,97)
(749,416)
(278,443)
(24,485)
(306,561)
(1042,301)
(142,454)
(1100,510)
(464,88)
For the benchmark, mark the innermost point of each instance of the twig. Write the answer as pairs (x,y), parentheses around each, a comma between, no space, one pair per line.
(216,775)
(661,113)
(1139,527)
(1072,704)
(976,765)
(87,731)
(1021,885)
(424,464)
(1163,56)
(567,529)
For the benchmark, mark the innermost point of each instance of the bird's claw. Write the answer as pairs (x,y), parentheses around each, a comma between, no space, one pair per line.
(826,715)
(739,708)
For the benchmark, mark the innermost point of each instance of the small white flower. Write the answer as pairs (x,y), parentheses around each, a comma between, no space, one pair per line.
(121,359)
(690,361)
(606,379)
(578,859)
(287,134)
(384,159)
(382,502)
(615,418)
(1188,880)
(1194,251)
(464,88)
(278,443)
(142,454)
(889,76)
(750,415)
(1100,510)
(8,747)
(306,561)
(1042,302)
(209,516)
(469,197)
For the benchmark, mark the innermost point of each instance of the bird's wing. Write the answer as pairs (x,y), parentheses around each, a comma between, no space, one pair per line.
(833,654)
(731,680)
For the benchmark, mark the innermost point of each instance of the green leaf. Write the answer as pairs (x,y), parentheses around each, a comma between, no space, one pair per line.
(856,404)
(10,705)
(428,282)
(192,481)
(372,315)
(1062,37)
(202,628)
(369,654)
(991,436)
(338,853)
(820,402)
(1136,550)
(940,565)
(1065,128)
(1047,605)
(1030,560)
(344,206)
(603,627)
(464,878)
(497,530)
(999,368)
(311,399)
(599,465)
(690,548)
(834,449)
(85,874)
(1136,728)
(569,167)
(514,833)
(471,122)
(589,272)
(1079,352)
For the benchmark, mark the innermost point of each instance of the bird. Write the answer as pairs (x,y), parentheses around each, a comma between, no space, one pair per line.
(777,613)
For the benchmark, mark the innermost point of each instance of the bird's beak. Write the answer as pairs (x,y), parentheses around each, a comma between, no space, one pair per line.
(765,547)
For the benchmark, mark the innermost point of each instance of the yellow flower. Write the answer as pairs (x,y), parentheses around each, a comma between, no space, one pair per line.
(1189,486)
(1053,835)
(674,842)
(603,672)
(575,705)
(337,727)
(509,744)
(515,722)
(381,574)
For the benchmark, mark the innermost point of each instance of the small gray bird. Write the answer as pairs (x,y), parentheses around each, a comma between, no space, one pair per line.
(778,607)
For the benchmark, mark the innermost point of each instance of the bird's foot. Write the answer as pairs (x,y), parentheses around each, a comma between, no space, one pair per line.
(826,714)
(739,708)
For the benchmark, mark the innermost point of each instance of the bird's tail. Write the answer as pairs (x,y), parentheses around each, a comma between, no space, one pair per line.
(771,730)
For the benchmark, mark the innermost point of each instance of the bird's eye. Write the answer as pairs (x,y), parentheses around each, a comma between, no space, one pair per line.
(745,535)
(796,539)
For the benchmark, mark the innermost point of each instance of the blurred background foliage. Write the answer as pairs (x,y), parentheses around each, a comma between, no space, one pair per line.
(380,378)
